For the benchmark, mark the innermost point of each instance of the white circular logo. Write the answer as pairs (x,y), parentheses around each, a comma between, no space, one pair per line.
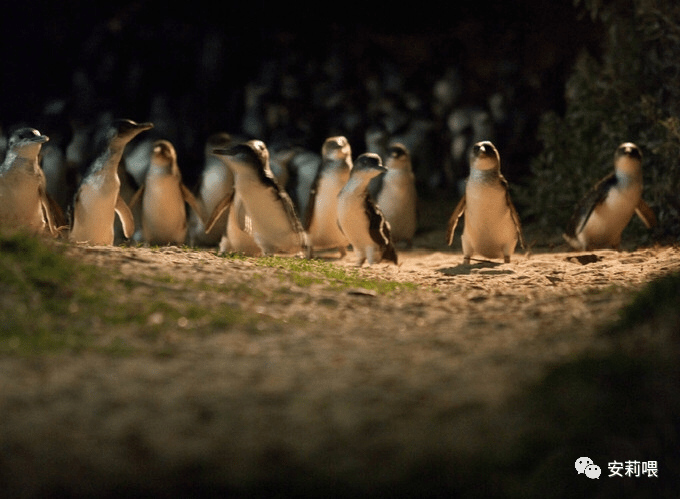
(593,471)
(581,464)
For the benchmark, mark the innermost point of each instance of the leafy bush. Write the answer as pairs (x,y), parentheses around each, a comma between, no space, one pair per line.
(629,93)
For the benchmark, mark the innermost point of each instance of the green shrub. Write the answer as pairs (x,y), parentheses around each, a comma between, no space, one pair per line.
(630,93)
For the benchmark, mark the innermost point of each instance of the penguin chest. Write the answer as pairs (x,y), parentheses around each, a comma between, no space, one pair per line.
(489,229)
(354,221)
(217,182)
(272,226)
(323,229)
(95,210)
(397,201)
(609,218)
(163,212)
(240,239)
(20,202)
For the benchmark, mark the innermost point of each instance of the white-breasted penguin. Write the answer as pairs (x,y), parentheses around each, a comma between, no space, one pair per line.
(303,168)
(492,226)
(360,219)
(321,220)
(216,182)
(397,198)
(98,199)
(24,201)
(237,233)
(603,213)
(262,208)
(163,197)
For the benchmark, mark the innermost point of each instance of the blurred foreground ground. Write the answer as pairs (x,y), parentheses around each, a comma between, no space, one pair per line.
(422,391)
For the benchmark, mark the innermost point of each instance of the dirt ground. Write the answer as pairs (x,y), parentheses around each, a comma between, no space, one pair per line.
(350,389)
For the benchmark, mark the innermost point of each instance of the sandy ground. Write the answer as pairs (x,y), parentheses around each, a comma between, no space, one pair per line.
(348,389)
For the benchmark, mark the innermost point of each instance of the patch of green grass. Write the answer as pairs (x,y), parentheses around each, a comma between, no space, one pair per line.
(233,256)
(118,347)
(304,273)
(51,303)
(39,291)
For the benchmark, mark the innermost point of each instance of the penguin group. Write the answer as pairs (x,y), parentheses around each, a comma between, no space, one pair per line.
(253,201)
(240,204)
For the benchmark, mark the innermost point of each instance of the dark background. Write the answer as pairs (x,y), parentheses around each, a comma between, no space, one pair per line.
(186,67)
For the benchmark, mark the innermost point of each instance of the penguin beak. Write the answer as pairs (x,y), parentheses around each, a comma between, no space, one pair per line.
(145,126)
(40,139)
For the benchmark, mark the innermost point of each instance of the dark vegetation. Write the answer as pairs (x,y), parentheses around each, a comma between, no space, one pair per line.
(629,92)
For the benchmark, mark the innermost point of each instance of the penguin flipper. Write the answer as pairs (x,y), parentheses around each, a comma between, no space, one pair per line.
(243,220)
(453,221)
(515,219)
(126,218)
(49,205)
(645,213)
(136,197)
(588,203)
(190,199)
(311,201)
(513,211)
(221,207)
(57,213)
(288,206)
(380,230)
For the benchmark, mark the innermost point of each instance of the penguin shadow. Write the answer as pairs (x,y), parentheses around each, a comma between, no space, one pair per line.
(484,267)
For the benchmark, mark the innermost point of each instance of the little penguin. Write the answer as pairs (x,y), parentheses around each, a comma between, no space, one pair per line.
(163,196)
(24,202)
(58,178)
(360,219)
(263,209)
(216,182)
(302,167)
(237,236)
(321,220)
(397,197)
(492,226)
(98,199)
(603,213)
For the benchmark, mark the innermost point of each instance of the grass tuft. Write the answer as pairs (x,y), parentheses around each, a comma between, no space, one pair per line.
(305,272)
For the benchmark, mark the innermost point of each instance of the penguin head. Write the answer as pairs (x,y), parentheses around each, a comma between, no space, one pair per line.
(368,164)
(26,136)
(251,155)
(336,148)
(305,163)
(261,150)
(628,158)
(398,157)
(219,140)
(163,154)
(376,138)
(26,141)
(484,156)
(126,130)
